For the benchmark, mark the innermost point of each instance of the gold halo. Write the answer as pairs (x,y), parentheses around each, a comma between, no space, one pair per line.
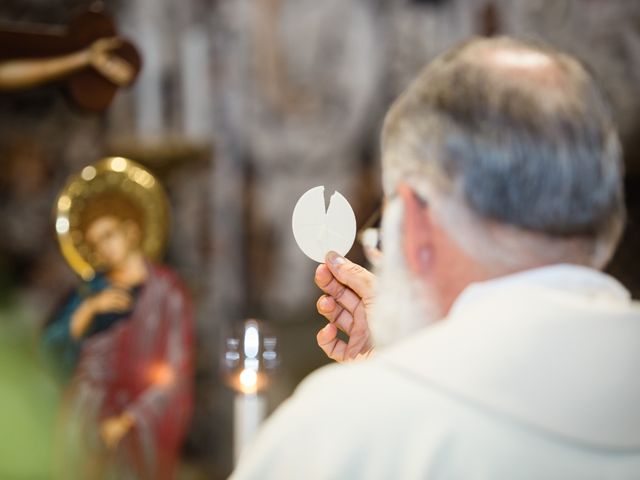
(110,175)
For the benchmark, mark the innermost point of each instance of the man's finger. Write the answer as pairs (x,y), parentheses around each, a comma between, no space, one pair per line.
(330,344)
(335,313)
(331,286)
(357,278)
(359,341)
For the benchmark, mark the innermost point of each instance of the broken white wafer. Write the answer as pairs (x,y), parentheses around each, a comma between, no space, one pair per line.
(319,230)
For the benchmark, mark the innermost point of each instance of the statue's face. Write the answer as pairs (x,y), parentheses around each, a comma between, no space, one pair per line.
(112,240)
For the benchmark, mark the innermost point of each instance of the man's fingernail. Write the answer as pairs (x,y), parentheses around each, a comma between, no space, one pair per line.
(334,259)
(324,303)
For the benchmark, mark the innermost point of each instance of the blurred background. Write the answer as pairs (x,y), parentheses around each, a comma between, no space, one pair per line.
(240,107)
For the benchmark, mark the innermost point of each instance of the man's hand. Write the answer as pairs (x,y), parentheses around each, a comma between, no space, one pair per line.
(113,429)
(109,300)
(349,296)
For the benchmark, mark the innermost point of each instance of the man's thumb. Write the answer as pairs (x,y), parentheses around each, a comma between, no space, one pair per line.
(357,278)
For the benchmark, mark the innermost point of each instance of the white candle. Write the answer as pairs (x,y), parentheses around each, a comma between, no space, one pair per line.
(249,412)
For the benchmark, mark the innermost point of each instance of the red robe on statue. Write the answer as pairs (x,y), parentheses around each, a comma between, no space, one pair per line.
(142,366)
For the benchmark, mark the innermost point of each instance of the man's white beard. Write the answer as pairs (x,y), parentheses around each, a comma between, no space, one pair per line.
(402,305)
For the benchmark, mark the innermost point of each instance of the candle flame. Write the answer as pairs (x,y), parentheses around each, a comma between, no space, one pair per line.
(248,380)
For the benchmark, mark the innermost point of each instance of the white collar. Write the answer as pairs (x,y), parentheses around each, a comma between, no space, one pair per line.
(565,278)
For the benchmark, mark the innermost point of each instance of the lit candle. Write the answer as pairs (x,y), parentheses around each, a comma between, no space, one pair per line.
(249,412)
(249,405)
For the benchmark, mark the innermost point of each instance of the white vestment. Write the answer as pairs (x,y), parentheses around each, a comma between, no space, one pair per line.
(531,376)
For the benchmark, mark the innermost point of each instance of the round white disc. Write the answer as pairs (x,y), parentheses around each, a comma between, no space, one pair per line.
(318,231)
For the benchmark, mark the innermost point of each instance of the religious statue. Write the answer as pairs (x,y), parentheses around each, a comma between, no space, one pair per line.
(124,338)
(89,57)
(17,74)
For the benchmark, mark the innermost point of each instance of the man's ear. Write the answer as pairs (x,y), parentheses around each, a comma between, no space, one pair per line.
(417,230)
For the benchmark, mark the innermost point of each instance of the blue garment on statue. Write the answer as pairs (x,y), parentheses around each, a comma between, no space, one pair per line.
(62,350)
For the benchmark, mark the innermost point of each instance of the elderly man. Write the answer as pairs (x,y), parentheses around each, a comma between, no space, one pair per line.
(513,356)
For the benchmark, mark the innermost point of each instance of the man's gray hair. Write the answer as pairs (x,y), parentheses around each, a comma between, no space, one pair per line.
(520,136)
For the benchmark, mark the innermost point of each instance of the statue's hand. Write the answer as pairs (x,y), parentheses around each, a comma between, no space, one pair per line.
(105,45)
(110,66)
(113,429)
(109,300)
